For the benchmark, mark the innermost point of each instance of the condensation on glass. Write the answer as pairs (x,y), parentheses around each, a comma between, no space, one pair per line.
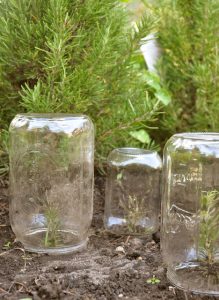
(51,181)
(190,211)
(132,195)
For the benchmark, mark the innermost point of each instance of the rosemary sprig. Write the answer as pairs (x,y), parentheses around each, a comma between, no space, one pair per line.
(209,225)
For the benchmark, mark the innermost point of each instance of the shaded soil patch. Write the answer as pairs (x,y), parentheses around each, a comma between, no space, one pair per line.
(113,267)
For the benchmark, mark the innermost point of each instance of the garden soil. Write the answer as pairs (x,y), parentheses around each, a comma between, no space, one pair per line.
(113,267)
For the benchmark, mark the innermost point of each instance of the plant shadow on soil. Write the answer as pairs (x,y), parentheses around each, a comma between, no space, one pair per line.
(100,272)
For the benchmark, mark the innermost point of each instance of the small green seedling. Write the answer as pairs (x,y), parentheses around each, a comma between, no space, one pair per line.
(134,208)
(119,176)
(134,211)
(209,223)
(52,236)
(153,280)
(52,233)
(7,245)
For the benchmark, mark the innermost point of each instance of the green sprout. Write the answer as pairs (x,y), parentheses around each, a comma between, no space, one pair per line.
(209,224)
(7,245)
(52,233)
(134,211)
(52,222)
(153,280)
(119,176)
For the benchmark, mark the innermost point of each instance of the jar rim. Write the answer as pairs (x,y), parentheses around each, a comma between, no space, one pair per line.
(134,151)
(209,136)
(50,115)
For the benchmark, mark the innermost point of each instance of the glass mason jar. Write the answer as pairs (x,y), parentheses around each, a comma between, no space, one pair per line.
(51,181)
(190,211)
(132,200)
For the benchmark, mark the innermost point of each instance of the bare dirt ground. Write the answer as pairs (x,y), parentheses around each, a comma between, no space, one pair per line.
(100,272)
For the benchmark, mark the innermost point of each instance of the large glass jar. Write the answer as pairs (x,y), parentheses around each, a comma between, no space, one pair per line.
(190,211)
(132,200)
(51,181)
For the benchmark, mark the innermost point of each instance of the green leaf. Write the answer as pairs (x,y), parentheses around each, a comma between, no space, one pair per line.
(153,80)
(163,96)
(119,176)
(7,245)
(141,135)
(153,280)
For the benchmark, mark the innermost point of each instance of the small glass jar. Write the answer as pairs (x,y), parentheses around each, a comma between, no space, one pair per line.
(51,181)
(190,211)
(132,200)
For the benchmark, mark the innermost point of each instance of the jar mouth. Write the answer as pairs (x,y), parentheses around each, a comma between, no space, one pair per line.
(134,151)
(51,116)
(209,136)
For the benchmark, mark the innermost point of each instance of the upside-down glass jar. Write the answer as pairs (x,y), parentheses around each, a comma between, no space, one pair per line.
(132,195)
(51,181)
(190,211)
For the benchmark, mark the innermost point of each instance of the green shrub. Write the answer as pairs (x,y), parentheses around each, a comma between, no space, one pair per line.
(78,57)
(3,153)
(188,33)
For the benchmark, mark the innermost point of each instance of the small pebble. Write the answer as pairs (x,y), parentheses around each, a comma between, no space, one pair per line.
(120,295)
(120,249)
(172,289)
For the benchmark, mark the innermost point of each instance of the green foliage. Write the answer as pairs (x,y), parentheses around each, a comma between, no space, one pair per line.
(77,57)
(153,80)
(141,136)
(7,245)
(209,223)
(187,32)
(3,152)
(52,236)
(153,280)
(134,211)
(52,222)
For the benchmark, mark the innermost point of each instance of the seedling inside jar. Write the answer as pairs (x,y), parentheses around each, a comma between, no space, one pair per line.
(52,222)
(209,225)
(209,235)
(52,233)
(133,207)
(134,210)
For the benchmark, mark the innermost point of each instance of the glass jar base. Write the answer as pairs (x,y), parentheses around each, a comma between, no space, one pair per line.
(126,231)
(57,251)
(63,242)
(195,278)
(118,226)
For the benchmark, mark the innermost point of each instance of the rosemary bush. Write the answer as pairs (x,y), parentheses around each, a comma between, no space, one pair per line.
(187,31)
(78,57)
